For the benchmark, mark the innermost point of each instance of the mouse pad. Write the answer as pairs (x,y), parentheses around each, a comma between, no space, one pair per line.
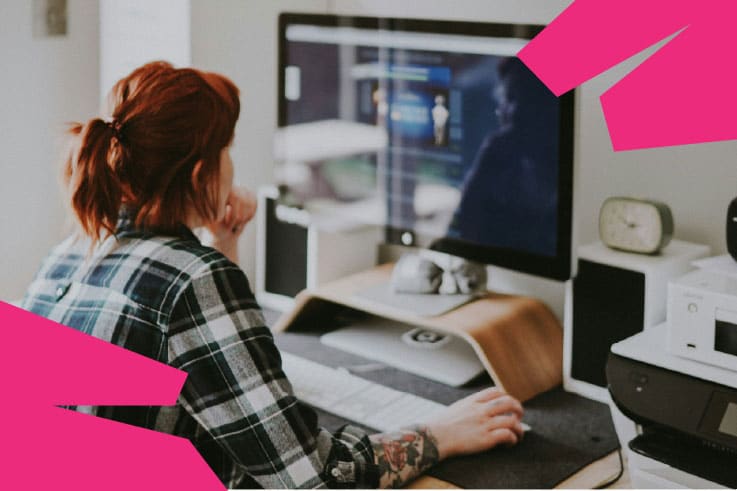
(568,431)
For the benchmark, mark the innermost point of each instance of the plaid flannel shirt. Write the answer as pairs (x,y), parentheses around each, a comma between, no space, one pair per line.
(174,300)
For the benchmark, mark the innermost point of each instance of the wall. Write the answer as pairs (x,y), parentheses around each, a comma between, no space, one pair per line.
(45,83)
(134,32)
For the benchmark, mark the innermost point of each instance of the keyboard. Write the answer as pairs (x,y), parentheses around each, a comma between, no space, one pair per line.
(354,398)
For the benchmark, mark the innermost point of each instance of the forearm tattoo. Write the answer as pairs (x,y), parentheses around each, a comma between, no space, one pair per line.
(404,454)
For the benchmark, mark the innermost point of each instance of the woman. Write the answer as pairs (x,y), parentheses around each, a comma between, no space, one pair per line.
(135,275)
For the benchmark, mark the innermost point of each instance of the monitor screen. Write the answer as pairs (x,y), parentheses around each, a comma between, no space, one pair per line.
(434,129)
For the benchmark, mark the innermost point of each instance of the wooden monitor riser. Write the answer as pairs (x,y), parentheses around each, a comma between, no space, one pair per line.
(517,339)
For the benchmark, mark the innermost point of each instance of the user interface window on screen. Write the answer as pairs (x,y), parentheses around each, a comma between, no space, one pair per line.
(446,135)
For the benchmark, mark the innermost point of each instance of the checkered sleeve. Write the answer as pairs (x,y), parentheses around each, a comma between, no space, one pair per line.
(236,390)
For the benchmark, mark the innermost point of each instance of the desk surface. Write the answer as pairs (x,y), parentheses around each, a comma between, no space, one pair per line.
(588,477)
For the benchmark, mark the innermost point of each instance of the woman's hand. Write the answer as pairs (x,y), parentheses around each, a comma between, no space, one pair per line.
(477,423)
(239,210)
(474,424)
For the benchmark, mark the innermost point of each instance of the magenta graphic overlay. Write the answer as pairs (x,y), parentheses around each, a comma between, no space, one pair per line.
(684,93)
(44,364)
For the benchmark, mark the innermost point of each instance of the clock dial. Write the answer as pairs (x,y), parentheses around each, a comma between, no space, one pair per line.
(635,225)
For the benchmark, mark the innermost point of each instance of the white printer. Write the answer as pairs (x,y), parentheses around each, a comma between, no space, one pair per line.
(678,382)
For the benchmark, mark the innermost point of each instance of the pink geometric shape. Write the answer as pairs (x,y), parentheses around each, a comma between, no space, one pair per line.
(683,94)
(44,364)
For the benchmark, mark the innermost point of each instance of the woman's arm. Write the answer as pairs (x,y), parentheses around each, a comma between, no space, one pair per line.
(404,455)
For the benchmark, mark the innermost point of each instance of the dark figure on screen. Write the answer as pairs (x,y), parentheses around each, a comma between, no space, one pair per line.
(509,196)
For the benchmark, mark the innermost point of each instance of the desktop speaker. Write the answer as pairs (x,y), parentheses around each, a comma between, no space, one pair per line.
(613,296)
(732,229)
(297,250)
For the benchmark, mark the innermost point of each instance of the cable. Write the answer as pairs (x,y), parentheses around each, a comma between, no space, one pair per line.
(618,476)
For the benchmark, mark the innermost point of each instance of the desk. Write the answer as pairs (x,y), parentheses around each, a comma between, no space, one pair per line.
(525,467)
(551,453)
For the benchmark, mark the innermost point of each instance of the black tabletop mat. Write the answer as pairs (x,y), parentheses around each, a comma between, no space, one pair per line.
(569,432)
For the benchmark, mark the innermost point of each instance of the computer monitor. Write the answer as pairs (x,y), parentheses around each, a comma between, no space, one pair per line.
(433,129)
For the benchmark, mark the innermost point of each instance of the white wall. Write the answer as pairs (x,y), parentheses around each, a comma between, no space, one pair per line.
(45,83)
(134,32)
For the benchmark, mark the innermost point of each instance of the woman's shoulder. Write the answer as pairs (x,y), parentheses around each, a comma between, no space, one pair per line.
(64,258)
(186,256)
(152,268)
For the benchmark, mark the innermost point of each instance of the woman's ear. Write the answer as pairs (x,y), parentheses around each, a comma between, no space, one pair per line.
(202,188)
(196,171)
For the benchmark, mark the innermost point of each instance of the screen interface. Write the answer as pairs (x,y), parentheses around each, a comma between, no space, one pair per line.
(450,136)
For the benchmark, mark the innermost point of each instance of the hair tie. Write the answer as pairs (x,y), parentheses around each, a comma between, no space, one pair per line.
(116,126)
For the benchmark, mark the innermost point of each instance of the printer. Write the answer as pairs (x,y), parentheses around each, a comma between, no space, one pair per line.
(678,382)
(686,412)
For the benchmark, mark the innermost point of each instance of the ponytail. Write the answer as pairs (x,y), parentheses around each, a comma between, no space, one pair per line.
(95,190)
(159,156)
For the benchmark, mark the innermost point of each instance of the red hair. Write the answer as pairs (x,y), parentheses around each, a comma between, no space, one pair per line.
(159,153)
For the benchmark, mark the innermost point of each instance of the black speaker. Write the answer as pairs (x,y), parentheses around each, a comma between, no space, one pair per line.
(285,254)
(609,306)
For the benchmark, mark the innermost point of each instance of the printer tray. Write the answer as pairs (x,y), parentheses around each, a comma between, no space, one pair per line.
(689,454)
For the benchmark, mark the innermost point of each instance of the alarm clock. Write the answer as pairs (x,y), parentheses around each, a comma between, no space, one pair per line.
(732,229)
(635,225)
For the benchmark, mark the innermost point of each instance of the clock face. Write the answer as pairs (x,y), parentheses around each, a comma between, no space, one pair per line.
(634,225)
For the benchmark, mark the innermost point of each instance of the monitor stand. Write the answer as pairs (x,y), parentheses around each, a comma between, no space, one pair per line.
(425,305)
(517,339)
(439,356)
